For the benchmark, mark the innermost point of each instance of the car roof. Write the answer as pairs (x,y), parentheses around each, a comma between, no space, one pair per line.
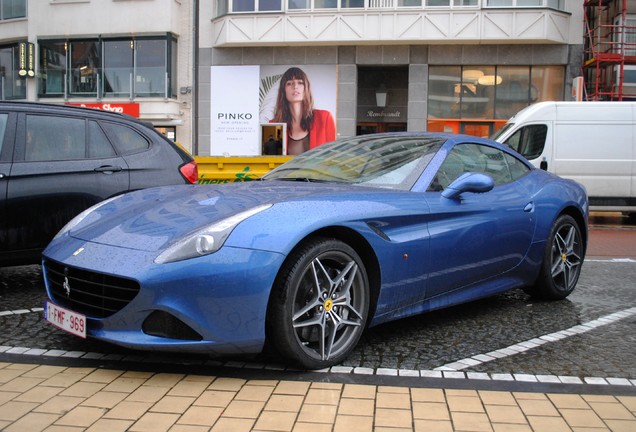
(25,106)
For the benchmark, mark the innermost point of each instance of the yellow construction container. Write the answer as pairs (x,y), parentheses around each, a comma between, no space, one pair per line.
(220,169)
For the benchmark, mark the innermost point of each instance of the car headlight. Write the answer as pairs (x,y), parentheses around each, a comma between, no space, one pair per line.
(207,240)
(83,215)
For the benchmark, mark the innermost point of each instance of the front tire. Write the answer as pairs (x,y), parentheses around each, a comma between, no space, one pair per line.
(319,304)
(562,261)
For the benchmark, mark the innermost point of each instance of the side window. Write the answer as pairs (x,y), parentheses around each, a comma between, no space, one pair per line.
(126,140)
(502,167)
(529,140)
(98,144)
(517,168)
(54,138)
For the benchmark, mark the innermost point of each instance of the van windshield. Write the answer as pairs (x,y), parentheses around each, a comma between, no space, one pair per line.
(501,131)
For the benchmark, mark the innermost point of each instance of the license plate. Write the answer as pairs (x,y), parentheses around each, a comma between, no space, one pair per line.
(65,319)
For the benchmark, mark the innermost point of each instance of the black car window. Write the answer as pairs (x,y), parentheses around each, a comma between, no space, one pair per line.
(529,140)
(463,158)
(98,144)
(126,140)
(54,138)
(3,127)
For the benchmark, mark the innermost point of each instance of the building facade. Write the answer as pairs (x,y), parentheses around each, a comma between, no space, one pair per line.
(132,56)
(462,66)
(207,73)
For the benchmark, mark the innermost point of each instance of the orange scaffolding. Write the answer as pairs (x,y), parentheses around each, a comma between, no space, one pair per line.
(610,50)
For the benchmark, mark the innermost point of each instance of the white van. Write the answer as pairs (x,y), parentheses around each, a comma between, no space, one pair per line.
(593,143)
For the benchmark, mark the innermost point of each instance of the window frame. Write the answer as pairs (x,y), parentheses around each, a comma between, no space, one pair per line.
(167,77)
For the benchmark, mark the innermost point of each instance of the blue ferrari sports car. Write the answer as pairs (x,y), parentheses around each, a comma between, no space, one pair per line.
(352,234)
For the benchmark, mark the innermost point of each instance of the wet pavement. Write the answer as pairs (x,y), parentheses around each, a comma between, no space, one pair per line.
(504,363)
(481,330)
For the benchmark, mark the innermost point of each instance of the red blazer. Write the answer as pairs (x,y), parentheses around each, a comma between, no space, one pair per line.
(323,128)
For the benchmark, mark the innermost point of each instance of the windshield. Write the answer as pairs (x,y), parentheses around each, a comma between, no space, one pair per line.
(501,131)
(389,160)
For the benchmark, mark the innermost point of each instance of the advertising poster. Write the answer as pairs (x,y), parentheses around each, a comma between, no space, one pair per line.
(272,110)
(287,93)
(234,124)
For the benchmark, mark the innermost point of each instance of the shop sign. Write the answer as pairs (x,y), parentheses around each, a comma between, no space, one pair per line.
(383,115)
(132,109)
(26,53)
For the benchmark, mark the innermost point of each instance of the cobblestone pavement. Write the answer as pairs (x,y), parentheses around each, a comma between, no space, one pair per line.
(527,366)
(482,330)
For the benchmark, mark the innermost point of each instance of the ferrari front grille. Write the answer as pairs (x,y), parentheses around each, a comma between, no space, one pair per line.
(93,294)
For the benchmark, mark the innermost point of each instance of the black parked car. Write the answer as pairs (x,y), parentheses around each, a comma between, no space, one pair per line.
(56,161)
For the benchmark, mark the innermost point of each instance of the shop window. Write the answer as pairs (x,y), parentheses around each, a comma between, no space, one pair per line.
(143,67)
(547,83)
(10,9)
(118,67)
(150,67)
(12,85)
(512,92)
(52,68)
(477,100)
(84,68)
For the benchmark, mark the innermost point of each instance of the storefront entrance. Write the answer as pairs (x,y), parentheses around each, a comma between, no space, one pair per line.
(382,99)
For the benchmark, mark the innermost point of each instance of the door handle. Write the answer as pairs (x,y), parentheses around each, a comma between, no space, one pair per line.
(529,208)
(108,169)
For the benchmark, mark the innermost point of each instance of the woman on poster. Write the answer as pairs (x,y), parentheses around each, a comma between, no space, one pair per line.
(307,127)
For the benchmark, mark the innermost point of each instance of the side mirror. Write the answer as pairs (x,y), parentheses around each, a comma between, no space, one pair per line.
(469,182)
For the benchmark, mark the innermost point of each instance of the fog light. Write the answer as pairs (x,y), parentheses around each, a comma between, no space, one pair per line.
(162,324)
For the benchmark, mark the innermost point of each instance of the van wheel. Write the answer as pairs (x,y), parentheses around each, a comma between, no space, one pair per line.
(562,260)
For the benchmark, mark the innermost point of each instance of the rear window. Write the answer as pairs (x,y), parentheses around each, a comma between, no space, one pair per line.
(98,144)
(125,139)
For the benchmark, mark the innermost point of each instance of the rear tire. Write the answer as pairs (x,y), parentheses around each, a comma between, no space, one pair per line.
(562,260)
(319,304)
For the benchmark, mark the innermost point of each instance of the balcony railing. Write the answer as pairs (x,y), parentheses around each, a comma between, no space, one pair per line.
(225,7)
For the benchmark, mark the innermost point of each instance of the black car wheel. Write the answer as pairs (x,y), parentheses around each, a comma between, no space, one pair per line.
(562,261)
(319,305)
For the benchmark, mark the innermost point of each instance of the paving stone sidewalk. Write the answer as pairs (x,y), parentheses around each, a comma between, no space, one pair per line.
(58,398)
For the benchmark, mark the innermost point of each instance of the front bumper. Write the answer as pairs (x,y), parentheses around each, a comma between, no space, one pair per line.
(222,297)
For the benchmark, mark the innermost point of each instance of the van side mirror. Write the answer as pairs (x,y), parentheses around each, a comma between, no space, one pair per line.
(469,182)
(544,165)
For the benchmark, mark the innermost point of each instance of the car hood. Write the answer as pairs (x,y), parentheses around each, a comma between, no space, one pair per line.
(152,219)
